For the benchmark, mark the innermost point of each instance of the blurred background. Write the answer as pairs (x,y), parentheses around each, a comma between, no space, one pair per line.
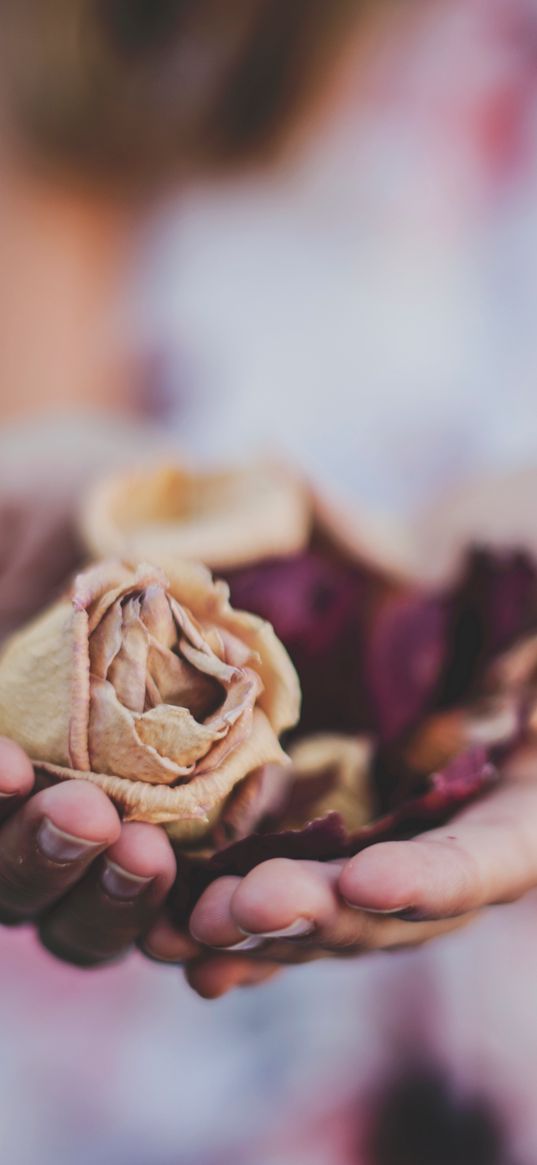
(232,227)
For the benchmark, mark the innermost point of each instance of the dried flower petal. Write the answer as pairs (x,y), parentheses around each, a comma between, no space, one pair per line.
(129,686)
(222,519)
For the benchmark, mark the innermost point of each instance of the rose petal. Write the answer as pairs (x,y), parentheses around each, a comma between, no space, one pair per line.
(319,610)
(327,839)
(115,746)
(98,581)
(332,774)
(177,682)
(493,605)
(157,616)
(105,642)
(40,671)
(128,670)
(190,809)
(175,734)
(97,600)
(222,518)
(80,693)
(406,654)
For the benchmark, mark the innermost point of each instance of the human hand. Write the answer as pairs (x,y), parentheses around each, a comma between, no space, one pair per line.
(90,884)
(393,895)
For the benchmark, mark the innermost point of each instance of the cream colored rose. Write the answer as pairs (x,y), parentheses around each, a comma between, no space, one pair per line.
(153,688)
(223,519)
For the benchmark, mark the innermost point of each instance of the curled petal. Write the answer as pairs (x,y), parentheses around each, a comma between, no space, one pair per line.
(80,693)
(190,809)
(128,670)
(175,734)
(116,747)
(208,601)
(171,680)
(105,642)
(406,654)
(223,519)
(157,617)
(44,686)
(332,774)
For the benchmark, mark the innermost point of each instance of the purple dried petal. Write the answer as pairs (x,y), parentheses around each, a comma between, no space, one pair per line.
(319,610)
(406,655)
(460,782)
(493,605)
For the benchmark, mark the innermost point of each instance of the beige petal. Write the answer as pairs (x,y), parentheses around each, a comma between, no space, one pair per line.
(281,696)
(105,643)
(236,715)
(189,810)
(138,578)
(177,682)
(43,679)
(175,734)
(234,651)
(373,539)
(98,581)
(209,602)
(349,760)
(80,693)
(157,617)
(115,746)
(207,663)
(128,671)
(224,519)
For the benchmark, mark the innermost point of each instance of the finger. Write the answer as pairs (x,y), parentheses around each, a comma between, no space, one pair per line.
(280,899)
(116,902)
(289,911)
(216,975)
(278,902)
(488,854)
(16,777)
(47,846)
(212,923)
(166,943)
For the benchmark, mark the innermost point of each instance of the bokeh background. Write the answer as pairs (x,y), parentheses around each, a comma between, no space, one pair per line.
(359,297)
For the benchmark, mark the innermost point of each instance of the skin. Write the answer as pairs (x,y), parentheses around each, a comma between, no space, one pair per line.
(394,895)
(91,885)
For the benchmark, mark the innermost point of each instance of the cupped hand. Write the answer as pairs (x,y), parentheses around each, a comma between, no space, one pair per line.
(91,885)
(391,896)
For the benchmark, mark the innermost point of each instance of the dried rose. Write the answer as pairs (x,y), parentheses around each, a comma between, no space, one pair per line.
(322,609)
(345,793)
(153,688)
(374,654)
(223,519)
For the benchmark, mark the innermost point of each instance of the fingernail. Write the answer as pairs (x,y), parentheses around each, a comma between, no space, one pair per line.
(298,929)
(394,912)
(59,846)
(412,914)
(119,883)
(248,944)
